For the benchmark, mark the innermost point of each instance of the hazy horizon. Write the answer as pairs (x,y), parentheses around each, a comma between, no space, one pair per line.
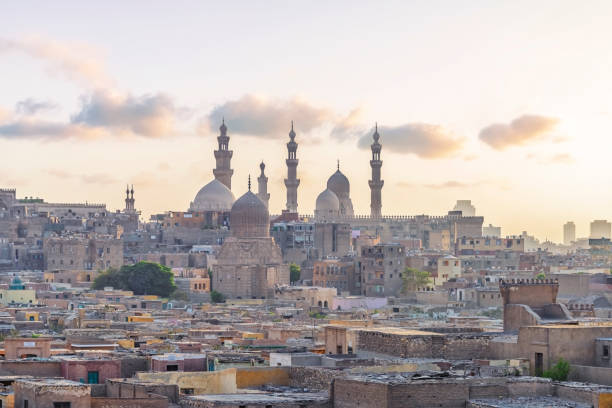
(504,104)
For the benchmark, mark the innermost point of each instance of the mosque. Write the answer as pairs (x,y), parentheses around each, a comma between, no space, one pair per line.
(250,263)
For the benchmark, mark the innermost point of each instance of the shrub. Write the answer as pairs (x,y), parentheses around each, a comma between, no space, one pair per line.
(558,372)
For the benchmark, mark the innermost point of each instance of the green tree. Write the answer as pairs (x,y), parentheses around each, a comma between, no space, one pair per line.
(111,277)
(142,278)
(294,273)
(414,278)
(540,276)
(217,297)
(558,372)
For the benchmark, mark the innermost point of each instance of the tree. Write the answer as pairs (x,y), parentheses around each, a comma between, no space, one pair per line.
(217,297)
(414,278)
(142,278)
(294,273)
(111,277)
(540,276)
(558,372)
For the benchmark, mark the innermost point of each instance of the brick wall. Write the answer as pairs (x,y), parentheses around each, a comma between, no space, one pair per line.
(313,378)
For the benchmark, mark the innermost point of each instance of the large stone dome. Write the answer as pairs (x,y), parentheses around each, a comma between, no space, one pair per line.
(214,196)
(249,217)
(339,184)
(328,205)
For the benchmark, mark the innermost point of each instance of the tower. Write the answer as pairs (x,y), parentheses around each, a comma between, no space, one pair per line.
(129,199)
(291,182)
(569,233)
(223,156)
(376,183)
(262,186)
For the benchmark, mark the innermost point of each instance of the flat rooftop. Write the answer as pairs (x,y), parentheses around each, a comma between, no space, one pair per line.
(527,402)
(263,398)
(399,331)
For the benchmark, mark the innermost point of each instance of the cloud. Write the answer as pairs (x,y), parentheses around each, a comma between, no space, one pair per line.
(31,106)
(98,178)
(93,178)
(451,184)
(39,129)
(102,114)
(350,126)
(522,130)
(265,118)
(424,140)
(560,158)
(148,115)
(78,62)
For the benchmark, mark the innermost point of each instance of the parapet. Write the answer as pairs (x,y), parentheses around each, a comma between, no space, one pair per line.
(534,293)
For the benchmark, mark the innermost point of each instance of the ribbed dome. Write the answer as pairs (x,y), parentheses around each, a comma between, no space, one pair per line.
(339,184)
(214,196)
(249,217)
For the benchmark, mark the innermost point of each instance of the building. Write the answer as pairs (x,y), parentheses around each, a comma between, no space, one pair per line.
(569,233)
(83,252)
(249,263)
(449,267)
(17,294)
(332,239)
(491,231)
(51,392)
(488,245)
(466,208)
(600,229)
(381,268)
(336,273)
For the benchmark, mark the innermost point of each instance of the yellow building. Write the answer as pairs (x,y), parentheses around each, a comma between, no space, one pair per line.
(17,293)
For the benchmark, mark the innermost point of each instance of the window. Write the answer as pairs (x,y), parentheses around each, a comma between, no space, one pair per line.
(606,351)
(25,403)
(172,367)
(61,405)
(92,377)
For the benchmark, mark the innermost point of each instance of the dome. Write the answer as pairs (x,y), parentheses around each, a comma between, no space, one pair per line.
(327,201)
(16,284)
(249,217)
(339,184)
(214,196)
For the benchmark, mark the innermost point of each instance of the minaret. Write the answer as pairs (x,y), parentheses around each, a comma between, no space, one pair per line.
(223,156)
(262,187)
(129,199)
(291,182)
(376,183)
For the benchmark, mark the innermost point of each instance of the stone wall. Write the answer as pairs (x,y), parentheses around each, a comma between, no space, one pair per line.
(151,401)
(33,368)
(457,347)
(596,375)
(313,378)
(256,377)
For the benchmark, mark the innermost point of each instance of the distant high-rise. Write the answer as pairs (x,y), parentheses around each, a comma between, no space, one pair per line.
(262,187)
(292,182)
(466,208)
(376,184)
(569,232)
(223,156)
(600,229)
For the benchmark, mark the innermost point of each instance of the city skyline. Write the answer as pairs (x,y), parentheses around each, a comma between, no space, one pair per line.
(92,106)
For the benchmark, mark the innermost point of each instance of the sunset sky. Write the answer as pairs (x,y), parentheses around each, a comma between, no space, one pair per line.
(508,104)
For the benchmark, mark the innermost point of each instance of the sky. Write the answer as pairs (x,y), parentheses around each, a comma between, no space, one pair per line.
(507,104)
